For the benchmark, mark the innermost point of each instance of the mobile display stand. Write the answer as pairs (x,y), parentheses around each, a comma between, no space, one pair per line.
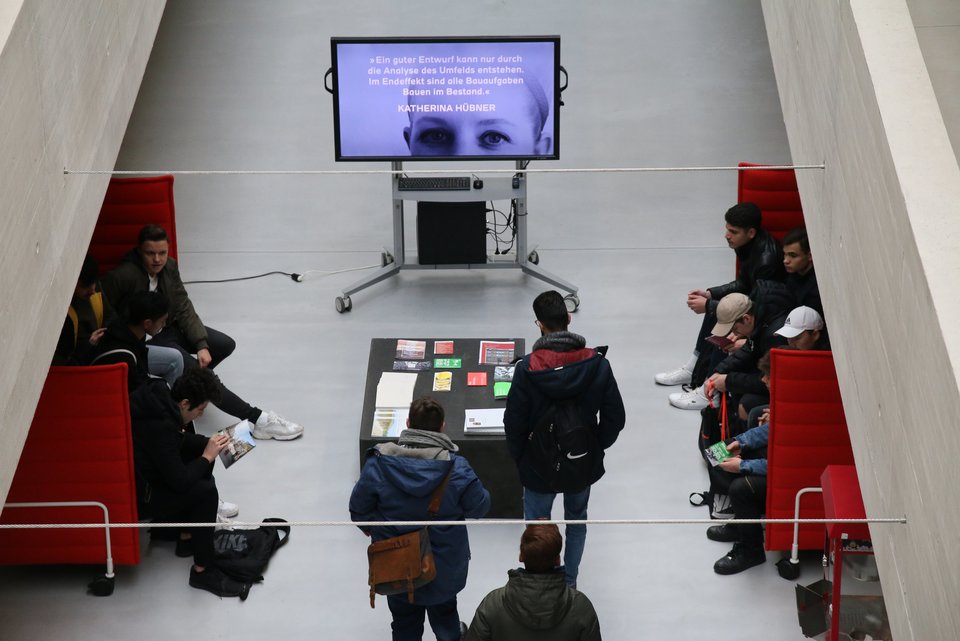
(493,188)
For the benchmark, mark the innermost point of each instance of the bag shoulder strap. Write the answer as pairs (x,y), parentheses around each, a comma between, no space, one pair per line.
(96,302)
(116,351)
(438,493)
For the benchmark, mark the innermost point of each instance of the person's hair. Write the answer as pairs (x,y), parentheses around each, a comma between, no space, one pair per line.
(426,414)
(764,364)
(540,546)
(551,311)
(196,386)
(152,233)
(795,236)
(744,216)
(89,271)
(147,305)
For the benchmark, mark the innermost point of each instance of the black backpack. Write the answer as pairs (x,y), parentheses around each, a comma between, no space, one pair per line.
(243,554)
(562,447)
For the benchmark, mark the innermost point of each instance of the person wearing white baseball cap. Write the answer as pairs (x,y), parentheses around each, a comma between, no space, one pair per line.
(803,329)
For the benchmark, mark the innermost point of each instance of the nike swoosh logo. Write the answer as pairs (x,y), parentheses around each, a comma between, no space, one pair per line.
(573,458)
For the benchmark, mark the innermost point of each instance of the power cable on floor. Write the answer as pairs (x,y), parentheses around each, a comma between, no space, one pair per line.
(295,277)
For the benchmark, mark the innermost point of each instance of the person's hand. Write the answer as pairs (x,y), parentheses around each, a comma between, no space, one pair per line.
(702,293)
(735,345)
(764,416)
(203,357)
(731,465)
(718,382)
(97,335)
(733,447)
(696,302)
(215,445)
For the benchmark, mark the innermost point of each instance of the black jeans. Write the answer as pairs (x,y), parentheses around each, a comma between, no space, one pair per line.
(748,496)
(220,346)
(198,504)
(408,619)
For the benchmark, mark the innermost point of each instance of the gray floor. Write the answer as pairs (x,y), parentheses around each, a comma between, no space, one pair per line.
(238,85)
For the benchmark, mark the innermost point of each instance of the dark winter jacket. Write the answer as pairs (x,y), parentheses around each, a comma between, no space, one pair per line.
(760,259)
(119,345)
(533,607)
(561,367)
(771,304)
(805,291)
(397,483)
(130,277)
(157,439)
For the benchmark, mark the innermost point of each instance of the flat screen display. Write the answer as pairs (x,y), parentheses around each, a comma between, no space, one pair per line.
(476,98)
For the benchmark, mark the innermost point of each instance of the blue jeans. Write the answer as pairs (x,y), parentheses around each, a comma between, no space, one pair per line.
(408,619)
(538,505)
(165,362)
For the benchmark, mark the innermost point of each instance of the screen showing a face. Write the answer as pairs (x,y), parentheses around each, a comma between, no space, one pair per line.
(445,99)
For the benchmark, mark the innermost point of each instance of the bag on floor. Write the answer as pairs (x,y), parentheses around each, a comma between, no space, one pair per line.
(243,555)
(401,564)
(714,428)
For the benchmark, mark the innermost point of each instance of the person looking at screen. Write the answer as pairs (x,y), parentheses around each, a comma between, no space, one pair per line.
(509,121)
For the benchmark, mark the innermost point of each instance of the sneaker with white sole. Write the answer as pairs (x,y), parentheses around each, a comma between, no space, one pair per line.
(689,400)
(227,509)
(223,523)
(679,376)
(271,425)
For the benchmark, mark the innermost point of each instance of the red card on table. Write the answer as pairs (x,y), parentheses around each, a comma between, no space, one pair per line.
(475,379)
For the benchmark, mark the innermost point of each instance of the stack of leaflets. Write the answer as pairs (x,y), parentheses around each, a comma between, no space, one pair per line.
(496,353)
(394,394)
(502,379)
(717,453)
(241,442)
(411,350)
(483,421)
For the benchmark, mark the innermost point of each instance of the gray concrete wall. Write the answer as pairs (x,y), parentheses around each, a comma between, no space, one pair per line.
(70,73)
(884,230)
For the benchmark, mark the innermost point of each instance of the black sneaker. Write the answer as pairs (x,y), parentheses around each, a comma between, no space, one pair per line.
(740,558)
(726,533)
(214,580)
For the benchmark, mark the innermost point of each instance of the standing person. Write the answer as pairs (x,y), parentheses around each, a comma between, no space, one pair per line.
(561,367)
(536,603)
(396,484)
(148,267)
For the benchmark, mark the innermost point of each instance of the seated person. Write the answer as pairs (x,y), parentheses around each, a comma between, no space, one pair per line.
(804,329)
(760,258)
(174,469)
(536,603)
(87,319)
(748,494)
(124,341)
(755,318)
(801,279)
(148,267)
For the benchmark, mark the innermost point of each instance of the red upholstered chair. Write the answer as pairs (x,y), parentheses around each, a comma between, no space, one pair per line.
(775,192)
(808,431)
(129,204)
(79,448)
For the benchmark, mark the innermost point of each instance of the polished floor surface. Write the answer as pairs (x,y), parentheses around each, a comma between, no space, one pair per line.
(239,85)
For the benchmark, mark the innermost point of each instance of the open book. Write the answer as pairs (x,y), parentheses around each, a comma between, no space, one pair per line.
(241,442)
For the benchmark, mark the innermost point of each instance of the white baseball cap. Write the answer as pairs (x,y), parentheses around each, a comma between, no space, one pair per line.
(800,320)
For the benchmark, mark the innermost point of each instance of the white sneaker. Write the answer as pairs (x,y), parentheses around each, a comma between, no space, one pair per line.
(270,425)
(223,523)
(679,376)
(227,509)
(689,400)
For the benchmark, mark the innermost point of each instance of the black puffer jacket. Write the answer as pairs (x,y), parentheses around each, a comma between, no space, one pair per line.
(760,259)
(560,367)
(772,301)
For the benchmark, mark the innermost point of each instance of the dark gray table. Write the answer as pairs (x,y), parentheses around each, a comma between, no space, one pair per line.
(487,453)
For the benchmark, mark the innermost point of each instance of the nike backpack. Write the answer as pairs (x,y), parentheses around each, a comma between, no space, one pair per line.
(563,448)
